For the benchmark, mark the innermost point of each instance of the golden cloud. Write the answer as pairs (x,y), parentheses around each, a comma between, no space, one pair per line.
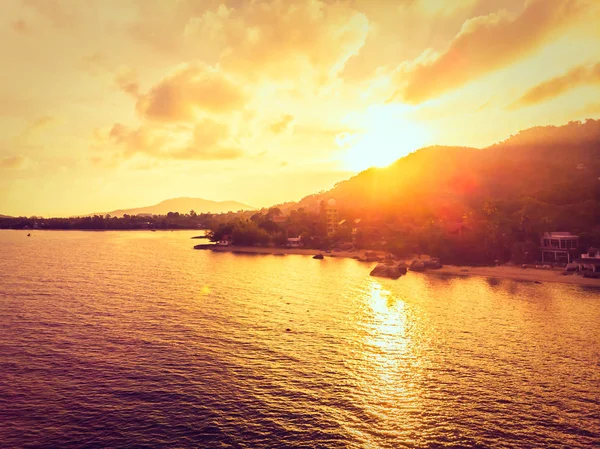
(20,26)
(12,162)
(207,143)
(140,140)
(484,44)
(126,79)
(283,124)
(578,76)
(281,38)
(42,122)
(207,140)
(53,10)
(189,90)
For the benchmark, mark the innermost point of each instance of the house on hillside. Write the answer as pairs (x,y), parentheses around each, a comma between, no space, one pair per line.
(294,242)
(356,225)
(330,211)
(559,247)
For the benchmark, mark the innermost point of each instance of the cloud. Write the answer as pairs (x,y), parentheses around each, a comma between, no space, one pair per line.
(141,140)
(39,124)
(484,44)
(279,39)
(208,154)
(20,26)
(126,79)
(207,143)
(12,162)
(95,63)
(53,10)
(578,76)
(189,90)
(283,124)
(207,140)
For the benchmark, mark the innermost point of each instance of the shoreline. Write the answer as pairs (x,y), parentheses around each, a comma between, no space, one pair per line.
(511,272)
(516,273)
(282,251)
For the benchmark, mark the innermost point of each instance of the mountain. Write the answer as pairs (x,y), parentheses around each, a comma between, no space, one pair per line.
(5,216)
(557,166)
(477,205)
(183,206)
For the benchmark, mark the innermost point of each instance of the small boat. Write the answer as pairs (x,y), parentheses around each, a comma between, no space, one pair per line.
(29,235)
(318,256)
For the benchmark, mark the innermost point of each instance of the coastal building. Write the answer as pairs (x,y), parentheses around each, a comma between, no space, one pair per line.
(330,211)
(294,242)
(355,228)
(559,247)
(589,262)
(225,241)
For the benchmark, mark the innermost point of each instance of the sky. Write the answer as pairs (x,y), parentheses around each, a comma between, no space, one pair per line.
(123,103)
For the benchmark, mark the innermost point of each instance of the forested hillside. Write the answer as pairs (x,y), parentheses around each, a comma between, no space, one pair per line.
(481,204)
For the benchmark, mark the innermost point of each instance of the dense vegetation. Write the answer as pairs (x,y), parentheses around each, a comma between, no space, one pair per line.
(475,206)
(172,220)
(464,205)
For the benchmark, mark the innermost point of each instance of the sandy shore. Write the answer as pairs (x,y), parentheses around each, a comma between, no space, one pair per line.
(501,272)
(283,251)
(518,274)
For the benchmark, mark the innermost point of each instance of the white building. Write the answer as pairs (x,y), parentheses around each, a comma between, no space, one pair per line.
(559,247)
(294,242)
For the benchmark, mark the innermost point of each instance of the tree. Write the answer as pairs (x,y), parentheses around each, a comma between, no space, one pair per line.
(273,212)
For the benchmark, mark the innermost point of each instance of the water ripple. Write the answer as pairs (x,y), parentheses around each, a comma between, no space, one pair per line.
(132,339)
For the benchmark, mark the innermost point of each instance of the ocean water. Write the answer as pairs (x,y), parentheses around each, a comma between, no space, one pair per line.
(134,339)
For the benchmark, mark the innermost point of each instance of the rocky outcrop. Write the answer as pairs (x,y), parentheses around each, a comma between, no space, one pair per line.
(371,256)
(425,264)
(388,271)
(433,263)
(417,265)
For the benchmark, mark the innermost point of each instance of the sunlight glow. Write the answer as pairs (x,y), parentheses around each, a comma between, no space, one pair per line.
(387,137)
(389,320)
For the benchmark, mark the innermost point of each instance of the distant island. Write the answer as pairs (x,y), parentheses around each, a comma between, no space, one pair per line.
(463,205)
(181,205)
(176,213)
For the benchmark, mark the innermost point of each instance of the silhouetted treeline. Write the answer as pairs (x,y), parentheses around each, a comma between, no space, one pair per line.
(270,227)
(476,206)
(173,220)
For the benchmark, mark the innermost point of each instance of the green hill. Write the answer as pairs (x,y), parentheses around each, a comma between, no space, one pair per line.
(541,179)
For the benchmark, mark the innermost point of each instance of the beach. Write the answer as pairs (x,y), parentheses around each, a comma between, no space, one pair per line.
(285,251)
(513,272)
(517,273)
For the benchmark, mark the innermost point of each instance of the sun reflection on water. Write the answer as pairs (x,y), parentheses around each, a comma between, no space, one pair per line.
(386,341)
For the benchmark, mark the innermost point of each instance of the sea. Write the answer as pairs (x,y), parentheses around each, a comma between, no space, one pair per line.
(124,339)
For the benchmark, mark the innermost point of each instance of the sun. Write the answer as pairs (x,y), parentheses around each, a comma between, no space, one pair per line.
(387,136)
